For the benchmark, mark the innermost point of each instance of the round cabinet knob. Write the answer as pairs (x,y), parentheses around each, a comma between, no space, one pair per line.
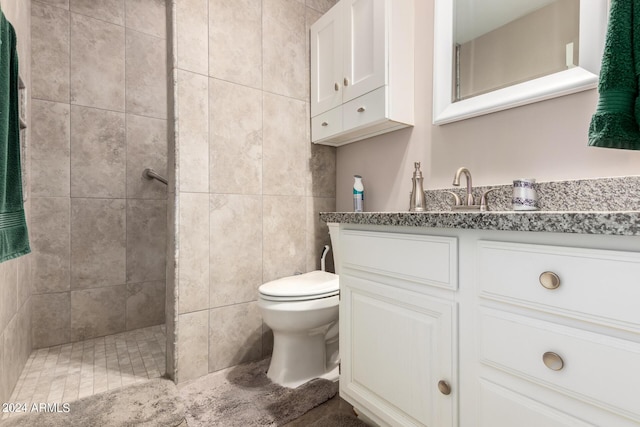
(549,280)
(346,81)
(553,361)
(325,124)
(444,387)
(336,86)
(361,110)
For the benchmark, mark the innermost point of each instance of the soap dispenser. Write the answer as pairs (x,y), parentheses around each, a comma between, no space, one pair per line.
(417,201)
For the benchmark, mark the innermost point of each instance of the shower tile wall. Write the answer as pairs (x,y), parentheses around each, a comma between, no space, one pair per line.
(15,280)
(99,118)
(249,184)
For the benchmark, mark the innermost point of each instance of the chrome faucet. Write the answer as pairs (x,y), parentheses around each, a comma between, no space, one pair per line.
(456,182)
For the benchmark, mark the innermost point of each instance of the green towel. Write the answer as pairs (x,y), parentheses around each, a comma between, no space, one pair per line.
(615,122)
(14,240)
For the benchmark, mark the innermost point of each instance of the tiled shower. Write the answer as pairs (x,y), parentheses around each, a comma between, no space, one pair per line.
(98,119)
(227,121)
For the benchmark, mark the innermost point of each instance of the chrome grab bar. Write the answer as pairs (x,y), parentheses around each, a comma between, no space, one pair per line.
(151,174)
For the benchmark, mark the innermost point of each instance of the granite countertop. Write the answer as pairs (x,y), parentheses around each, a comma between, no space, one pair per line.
(623,223)
(607,206)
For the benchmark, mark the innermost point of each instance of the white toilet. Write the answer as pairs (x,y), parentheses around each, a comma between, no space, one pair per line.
(302,311)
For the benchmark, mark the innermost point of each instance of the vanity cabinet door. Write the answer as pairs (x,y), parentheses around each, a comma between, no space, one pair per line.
(397,354)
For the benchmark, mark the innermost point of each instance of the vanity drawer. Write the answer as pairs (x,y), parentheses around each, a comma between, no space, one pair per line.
(366,109)
(429,260)
(594,368)
(595,285)
(326,124)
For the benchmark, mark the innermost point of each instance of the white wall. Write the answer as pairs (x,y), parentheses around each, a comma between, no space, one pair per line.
(545,140)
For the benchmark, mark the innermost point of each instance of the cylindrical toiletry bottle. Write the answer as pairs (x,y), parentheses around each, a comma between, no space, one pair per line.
(358,194)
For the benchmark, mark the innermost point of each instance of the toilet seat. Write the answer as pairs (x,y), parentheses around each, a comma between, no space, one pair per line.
(302,287)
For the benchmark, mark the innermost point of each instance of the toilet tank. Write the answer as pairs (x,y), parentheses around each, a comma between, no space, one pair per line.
(334,232)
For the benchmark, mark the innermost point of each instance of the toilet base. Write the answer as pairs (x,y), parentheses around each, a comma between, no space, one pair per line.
(300,357)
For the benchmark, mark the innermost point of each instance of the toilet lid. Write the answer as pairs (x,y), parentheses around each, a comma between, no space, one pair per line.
(313,285)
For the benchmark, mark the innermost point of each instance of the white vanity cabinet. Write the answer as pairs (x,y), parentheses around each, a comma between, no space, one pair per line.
(398,327)
(558,332)
(362,70)
(520,329)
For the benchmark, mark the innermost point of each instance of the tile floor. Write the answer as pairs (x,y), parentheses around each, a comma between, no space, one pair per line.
(68,372)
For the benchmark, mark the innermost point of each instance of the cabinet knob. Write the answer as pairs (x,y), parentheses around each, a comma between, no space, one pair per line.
(361,110)
(336,86)
(444,387)
(325,124)
(549,280)
(346,81)
(553,361)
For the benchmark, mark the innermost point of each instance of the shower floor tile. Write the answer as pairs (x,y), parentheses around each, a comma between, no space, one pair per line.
(67,372)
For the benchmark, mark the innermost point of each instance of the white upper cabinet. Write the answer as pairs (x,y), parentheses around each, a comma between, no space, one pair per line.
(364,56)
(326,36)
(362,70)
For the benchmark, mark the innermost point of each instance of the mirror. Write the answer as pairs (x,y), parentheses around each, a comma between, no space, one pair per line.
(577,68)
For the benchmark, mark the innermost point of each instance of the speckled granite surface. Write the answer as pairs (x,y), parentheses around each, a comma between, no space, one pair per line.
(597,206)
(602,194)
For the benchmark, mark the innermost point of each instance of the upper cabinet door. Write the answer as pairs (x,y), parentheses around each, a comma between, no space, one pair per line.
(365,50)
(326,69)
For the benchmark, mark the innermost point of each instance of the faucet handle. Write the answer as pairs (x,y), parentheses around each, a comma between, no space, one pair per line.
(483,200)
(456,198)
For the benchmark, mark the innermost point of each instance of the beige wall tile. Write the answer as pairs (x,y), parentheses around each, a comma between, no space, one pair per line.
(235,42)
(98,246)
(235,335)
(193,265)
(51,321)
(24,328)
(145,304)
(147,16)
(285,146)
(284,36)
(193,111)
(15,347)
(49,53)
(235,138)
(192,40)
(318,232)
(6,386)
(146,240)
(321,5)
(50,230)
(236,251)
(146,71)
(105,10)
(50,152)
(25,284)
(97,63)
(146,148)
(97,312)
(58,3)
(193,345)
(98,153)
(321,177)
(8,293)
(283,239)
